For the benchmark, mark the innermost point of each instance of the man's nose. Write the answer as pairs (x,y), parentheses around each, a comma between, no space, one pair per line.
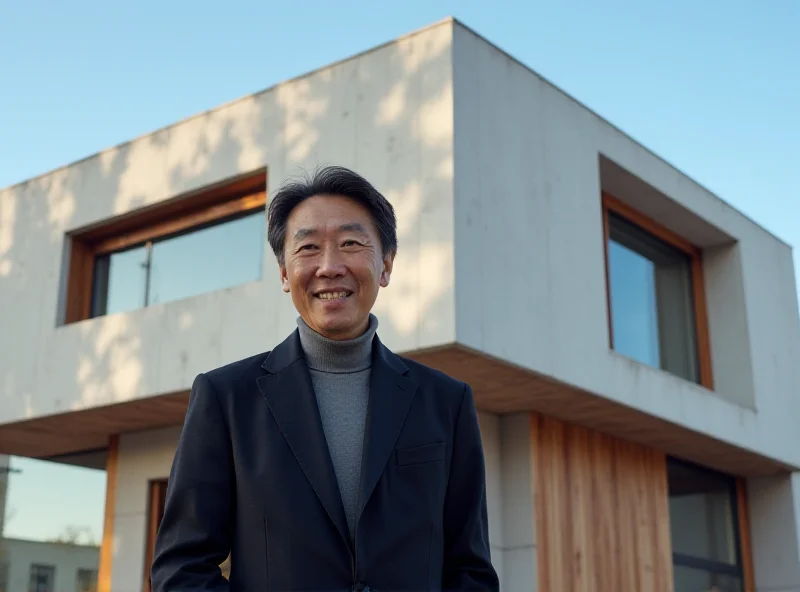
(331,264)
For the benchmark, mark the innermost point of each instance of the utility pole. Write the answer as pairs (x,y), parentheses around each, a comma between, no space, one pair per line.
(5,470)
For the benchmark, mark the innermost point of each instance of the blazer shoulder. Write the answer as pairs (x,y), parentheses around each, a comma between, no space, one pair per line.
(426,376)
(240,372)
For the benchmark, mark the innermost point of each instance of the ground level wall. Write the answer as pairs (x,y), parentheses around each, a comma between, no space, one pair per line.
(569,509)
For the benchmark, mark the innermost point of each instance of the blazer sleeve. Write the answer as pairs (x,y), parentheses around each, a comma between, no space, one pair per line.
(467,559)
(194,537)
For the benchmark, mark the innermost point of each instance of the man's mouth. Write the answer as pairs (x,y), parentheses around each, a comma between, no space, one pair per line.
(333,295)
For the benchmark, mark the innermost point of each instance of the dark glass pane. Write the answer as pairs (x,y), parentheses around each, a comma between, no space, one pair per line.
(213,258)
(126,280)
(651,300)
(702,514)
(689,579)
(42,578)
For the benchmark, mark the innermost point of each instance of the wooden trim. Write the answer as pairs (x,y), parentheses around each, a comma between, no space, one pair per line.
(107,546)
(155,510)
(239,196)
(608,277)
(745,543)
(192,219)
(702,335)
(701,324)
(79,282)
(619,207)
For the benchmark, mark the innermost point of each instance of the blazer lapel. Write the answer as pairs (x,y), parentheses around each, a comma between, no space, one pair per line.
(390,397)
(289,393)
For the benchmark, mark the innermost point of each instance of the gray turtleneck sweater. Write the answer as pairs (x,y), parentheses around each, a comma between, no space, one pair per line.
(340,372)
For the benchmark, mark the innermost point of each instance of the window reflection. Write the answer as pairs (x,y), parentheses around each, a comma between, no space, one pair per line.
(210,259)
(120,282)
(652,307)
(53,524)
(633,302)
(200,260)
(688,579)
(703,529)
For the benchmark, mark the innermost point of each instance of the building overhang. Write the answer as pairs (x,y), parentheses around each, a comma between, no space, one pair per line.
(499,388)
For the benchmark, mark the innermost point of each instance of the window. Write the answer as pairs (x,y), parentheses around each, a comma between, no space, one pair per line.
(704,513)
(3,573)
(205,241)
(655,295)
(42,578)
(156,501)
(86,580)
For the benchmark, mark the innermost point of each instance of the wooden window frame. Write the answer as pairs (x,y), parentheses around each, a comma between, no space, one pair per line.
(242,195)
(741,533)
(611,204)
(156,497)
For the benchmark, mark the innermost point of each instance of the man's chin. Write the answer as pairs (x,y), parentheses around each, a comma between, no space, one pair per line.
(335,326)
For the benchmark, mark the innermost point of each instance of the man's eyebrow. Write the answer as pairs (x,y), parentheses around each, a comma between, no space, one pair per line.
(349,227)
(303,233)
(353,227)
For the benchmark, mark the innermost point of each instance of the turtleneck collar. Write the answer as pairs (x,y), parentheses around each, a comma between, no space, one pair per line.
(329,355)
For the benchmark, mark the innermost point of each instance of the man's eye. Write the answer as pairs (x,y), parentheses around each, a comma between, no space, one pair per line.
(348,243)
(307,247)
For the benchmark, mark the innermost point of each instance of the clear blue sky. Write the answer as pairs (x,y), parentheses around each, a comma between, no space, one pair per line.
(713,86)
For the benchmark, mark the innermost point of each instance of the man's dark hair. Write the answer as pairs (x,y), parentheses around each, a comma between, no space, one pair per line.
(330,180)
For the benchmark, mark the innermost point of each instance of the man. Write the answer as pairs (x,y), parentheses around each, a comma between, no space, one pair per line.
(329,463)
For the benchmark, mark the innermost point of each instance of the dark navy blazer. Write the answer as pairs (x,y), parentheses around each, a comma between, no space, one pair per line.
(252,476)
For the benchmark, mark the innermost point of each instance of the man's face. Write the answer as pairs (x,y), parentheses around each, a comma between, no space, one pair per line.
(334,265)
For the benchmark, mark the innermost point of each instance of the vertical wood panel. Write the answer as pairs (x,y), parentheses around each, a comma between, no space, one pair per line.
(702,331)
(107,546)
(155,511)
(744,535)
(79,282)
(602,514)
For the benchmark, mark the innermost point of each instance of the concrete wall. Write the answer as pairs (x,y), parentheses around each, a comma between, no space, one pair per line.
(491,435)
(67,560)
(387,113)
(775,530)
(530,165)
(519,533)
(5,462)
(143,456)
(507,447)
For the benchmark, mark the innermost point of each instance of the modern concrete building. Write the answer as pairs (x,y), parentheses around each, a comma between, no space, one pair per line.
(632,340)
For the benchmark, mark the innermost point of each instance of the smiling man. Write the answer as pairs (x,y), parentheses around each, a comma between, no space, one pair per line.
(329,463)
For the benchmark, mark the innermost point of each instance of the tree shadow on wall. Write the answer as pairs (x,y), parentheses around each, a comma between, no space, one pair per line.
(387,114)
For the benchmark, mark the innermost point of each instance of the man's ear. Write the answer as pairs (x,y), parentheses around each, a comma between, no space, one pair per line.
(386,272)
(284,278)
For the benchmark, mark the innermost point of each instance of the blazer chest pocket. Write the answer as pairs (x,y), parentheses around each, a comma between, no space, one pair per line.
(418,455)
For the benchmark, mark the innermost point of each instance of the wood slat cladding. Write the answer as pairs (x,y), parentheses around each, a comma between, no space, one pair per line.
(602,513)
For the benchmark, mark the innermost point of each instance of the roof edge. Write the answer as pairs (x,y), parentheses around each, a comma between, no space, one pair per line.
(230,103)
(624,133)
